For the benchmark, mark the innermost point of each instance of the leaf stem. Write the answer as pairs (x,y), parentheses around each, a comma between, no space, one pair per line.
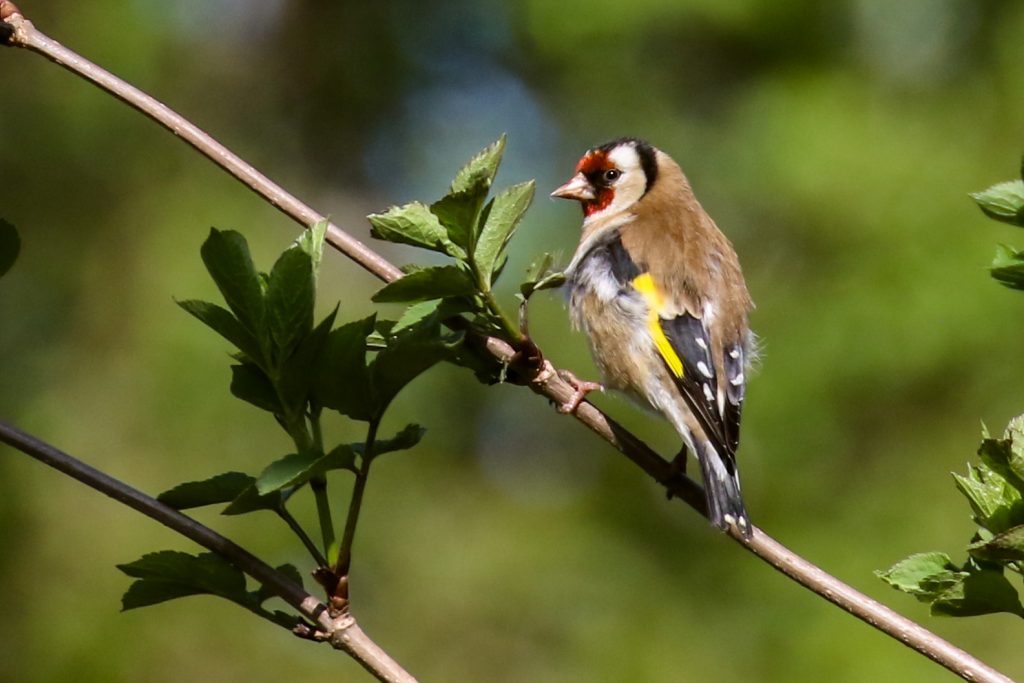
(294,525)
(318,484)
(355,504)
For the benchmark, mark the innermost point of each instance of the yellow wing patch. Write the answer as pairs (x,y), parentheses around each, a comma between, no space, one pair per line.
(645,285)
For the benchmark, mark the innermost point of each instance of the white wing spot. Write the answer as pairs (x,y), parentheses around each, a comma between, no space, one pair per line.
(702,344)
(703,367)
(737,380)
(734,354)
(708,394)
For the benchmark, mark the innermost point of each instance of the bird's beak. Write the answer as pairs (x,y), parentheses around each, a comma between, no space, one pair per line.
(578,188)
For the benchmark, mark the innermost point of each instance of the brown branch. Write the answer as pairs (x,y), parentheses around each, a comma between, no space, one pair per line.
(550,385)
(341,631)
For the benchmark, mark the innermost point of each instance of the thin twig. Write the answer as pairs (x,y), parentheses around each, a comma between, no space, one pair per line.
(297,529)
(342,632)
(549,385)
(344,564)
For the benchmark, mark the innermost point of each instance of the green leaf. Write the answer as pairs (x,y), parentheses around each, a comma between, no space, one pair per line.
(506,211)
(168,574)
(221,321)
(1008,267)
(300,371)
(298,468)
(426,284)
(1001,458)
(985,591)
(10,246)
(481,168)
(993,500)
(279,474)
(923,574)
(1007,546)
(252,385)
(222,488)
(415,225)
(429,312)
(459,213)
(291,295)
(311,241)
(171,574)
(410,435)
(1003,202)
(408,354)
(250,500)
(343,383)
(227,258)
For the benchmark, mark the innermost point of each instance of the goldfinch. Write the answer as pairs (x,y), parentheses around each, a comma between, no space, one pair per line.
(658,290)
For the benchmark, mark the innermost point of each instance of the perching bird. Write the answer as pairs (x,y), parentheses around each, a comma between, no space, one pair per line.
(659,292)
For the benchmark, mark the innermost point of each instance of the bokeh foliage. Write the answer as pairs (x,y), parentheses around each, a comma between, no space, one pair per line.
(834,143)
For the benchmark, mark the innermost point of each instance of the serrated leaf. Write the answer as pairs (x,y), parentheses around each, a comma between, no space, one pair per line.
(10,246)
(291,296)
(415,225)
(429,283)
(921,573)
(222,488)
(298,468)
(343,383)
(170,573)
(408,354)
(999,456)
(433,311)
(459,213)
(1003,202)
(250,500)
(1006,546)
(989,495)
(505,213)
(224,323)
(982,592)
(300,371)
(227,258)
(252,385)
(1008,267)
(482,167)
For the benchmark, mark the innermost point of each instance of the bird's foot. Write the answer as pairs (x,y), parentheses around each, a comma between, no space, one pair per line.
(676,469)
(580,390)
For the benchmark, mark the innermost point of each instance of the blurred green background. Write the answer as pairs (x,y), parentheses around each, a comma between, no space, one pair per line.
(833,142)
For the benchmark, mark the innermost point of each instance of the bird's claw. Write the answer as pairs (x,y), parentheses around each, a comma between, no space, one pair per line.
(580,390)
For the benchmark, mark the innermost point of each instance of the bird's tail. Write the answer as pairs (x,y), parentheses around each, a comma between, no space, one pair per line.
(722,490)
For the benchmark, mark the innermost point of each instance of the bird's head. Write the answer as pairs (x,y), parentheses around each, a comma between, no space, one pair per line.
(612,178)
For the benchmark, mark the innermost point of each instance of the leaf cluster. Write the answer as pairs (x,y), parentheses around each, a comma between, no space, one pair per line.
(473,230)
(1004,202)
(296,369)
(994,489)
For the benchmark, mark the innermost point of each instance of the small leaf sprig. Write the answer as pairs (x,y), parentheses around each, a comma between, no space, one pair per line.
(1004,202)
(474,232)
(994,488)
(296,370)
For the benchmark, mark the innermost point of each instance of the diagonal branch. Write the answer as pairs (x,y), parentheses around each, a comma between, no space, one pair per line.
(21,33)
(342,632)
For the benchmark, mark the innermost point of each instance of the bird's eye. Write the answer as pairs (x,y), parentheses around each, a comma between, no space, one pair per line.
(612,174)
